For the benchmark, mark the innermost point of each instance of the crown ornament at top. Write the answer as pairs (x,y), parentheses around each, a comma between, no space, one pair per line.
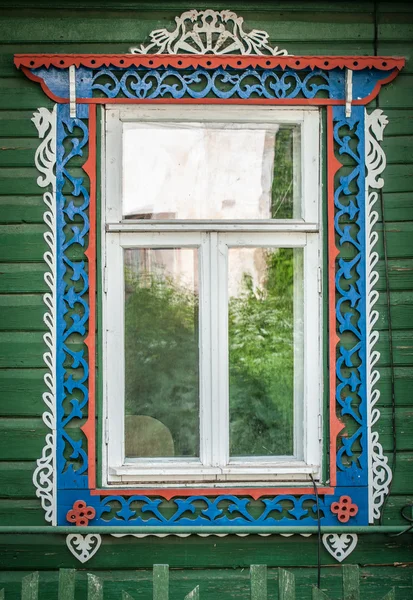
(208,32)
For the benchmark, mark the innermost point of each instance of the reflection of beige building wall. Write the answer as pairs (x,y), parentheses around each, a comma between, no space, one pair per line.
(197,173)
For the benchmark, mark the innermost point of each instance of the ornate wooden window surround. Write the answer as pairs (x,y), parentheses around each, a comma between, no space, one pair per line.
(209,59)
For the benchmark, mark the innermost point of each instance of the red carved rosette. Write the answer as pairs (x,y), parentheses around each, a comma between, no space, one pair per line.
(80,514)
(344,509)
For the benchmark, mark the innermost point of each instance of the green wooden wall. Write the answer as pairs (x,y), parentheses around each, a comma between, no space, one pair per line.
(219,565)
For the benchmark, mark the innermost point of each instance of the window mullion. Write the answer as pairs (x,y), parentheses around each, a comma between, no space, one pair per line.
(206,376)
(219,336)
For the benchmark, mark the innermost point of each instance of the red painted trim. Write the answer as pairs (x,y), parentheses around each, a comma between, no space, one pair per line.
(169,493)
(89,428)
(184,61)
(332,167)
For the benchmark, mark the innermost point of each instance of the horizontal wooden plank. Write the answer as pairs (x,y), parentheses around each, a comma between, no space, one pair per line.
(16,123)
(400,273)
(22,243)
(21,209)
(19,93)
(28,552)
(387,6)
(136,26)
(395,26)
(402,348)
(399,239)
(404,429)
(397,93)
(17,152)
(400,121)
(403,383)
(22,312)
(398,178)
(181,5)
(16,479)
(22,349)
(398,206)
(22,277)
(401,311)
(398,149)
(13,431)
(19,181)
(403,474)
(21,512)
(392,510)
(21,392)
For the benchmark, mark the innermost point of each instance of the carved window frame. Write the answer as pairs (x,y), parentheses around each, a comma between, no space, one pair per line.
(78,84)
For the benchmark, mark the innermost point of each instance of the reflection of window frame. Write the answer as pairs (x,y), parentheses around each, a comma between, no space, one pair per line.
(150,233)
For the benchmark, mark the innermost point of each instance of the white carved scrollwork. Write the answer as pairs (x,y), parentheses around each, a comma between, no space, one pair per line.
(83,547)
(340,545)
(380,474)
(45,160)
(208,31)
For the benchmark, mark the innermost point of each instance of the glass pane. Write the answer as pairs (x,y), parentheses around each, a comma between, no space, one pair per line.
(265,349)
(211,172)
(161,352)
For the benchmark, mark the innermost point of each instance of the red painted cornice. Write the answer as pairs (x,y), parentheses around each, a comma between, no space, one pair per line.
(208,61)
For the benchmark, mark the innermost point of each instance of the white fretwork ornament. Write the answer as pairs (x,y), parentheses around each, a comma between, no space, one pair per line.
(208,32)
(45,160)
(380,474)
(340,546)
(83,547)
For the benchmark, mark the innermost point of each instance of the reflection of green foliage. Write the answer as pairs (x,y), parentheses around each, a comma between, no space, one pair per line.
(282,185)
(161,348)
(261,362)
(162,373)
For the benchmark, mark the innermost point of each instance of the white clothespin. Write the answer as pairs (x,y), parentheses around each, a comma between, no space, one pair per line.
(72,91)
(349,91)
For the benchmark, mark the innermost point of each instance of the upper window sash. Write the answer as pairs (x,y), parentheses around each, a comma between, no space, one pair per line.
(259,117)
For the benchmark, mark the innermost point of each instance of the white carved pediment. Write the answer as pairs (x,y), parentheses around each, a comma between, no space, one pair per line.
(209,32)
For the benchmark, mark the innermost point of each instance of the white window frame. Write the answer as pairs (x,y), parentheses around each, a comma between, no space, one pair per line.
(213,238)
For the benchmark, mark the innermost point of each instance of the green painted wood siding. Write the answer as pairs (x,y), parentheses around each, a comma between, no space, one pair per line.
(260,580)
(110,26)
